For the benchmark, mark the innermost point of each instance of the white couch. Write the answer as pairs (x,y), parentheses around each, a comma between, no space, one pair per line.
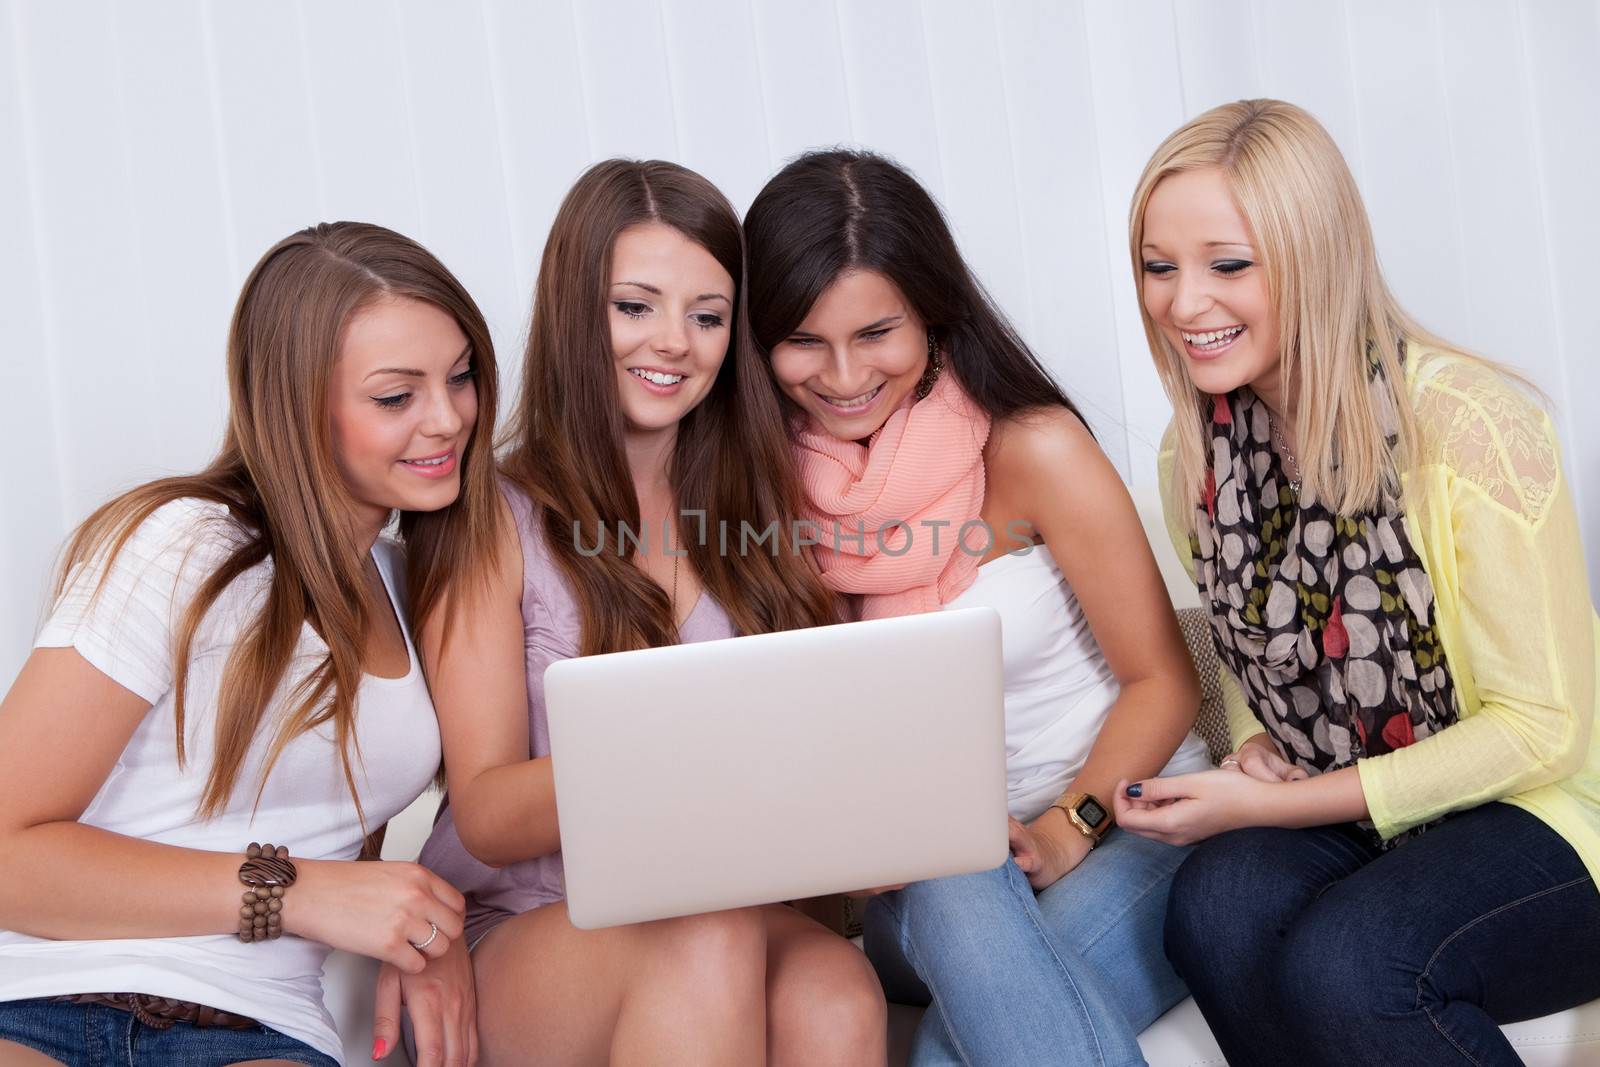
(1178,1039)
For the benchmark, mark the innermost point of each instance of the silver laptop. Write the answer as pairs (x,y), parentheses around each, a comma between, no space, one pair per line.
(757,769)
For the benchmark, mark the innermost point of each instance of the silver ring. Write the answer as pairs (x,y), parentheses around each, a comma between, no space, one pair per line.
(1227,761)
(433,932)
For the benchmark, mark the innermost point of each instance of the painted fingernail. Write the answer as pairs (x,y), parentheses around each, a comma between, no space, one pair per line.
(1135,790)
(380,1048)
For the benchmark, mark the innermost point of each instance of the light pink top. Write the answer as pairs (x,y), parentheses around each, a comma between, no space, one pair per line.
(551,630)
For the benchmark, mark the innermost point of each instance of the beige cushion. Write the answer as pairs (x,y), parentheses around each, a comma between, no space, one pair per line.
(1212,722)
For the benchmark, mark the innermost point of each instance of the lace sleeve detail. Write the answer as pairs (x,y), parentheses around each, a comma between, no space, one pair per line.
(1490,432)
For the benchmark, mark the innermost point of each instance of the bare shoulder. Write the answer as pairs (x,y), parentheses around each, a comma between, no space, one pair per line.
(1052,473)
(1039,434)
(1046,448)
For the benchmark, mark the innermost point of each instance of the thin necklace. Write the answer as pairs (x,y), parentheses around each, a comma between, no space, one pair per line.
(1283,450)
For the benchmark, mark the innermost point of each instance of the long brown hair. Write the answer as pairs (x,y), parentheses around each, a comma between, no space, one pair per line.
(731,459)
(277,476)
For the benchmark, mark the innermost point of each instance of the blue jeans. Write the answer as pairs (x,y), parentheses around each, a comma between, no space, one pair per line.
(94,1035)
(1069,976)
(1312,947)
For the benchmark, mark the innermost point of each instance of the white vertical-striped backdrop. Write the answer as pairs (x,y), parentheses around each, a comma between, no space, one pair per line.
(152,151)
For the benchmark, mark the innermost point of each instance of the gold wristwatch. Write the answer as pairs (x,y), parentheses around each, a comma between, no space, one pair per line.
(1091,817)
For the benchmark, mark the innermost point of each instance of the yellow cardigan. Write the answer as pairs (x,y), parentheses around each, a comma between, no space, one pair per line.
(1488,512)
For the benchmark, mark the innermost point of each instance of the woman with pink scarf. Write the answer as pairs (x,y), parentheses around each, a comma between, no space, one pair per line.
(944,468)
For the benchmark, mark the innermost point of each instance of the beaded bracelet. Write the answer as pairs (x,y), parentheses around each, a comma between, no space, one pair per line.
(269,873)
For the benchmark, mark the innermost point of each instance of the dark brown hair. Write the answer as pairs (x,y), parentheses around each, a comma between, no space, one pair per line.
(731,458)
(277,476)
(832,211)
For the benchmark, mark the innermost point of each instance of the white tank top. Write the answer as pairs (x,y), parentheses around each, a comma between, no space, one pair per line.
(1058,686)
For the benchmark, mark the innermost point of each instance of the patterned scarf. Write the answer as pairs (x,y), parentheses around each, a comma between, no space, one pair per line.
(1326,620)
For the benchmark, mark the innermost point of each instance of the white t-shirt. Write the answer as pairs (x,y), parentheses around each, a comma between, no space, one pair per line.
(127,633)
(1059,687)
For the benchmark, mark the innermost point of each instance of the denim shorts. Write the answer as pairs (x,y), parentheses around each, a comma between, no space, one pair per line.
(94,1035)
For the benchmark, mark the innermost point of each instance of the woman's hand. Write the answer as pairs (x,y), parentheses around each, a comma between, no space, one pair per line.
(1186,808)
(1048,847)
(381,909)
(1259,759)
(443,1004)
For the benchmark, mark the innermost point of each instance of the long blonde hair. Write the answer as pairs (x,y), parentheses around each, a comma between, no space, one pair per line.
(276,474)
(1315,245)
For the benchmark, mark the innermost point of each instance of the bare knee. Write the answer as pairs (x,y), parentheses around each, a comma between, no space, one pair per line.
(721,951)
(831,1011)
(15,1055)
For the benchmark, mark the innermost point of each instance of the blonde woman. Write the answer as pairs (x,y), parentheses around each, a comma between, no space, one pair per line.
(1379,527)
(227,665)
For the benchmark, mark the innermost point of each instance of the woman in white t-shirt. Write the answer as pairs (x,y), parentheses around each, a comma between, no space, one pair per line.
(227,661)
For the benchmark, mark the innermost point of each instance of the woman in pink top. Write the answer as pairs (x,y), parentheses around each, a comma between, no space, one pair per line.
(642,400)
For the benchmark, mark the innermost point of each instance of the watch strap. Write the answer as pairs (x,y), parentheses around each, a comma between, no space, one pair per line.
(1070,803)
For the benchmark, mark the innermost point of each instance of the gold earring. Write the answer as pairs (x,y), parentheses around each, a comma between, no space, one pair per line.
(935,365)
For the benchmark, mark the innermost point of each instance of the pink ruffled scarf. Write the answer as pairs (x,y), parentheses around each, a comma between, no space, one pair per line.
(924,466)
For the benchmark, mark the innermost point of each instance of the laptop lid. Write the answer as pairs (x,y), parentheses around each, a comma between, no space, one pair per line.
(757,769)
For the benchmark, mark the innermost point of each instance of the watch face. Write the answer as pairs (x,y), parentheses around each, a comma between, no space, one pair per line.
(1091,812)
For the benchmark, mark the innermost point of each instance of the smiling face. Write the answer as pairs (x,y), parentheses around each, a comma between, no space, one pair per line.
(1205,288)
(670,306)
(856,357)
(402,405)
